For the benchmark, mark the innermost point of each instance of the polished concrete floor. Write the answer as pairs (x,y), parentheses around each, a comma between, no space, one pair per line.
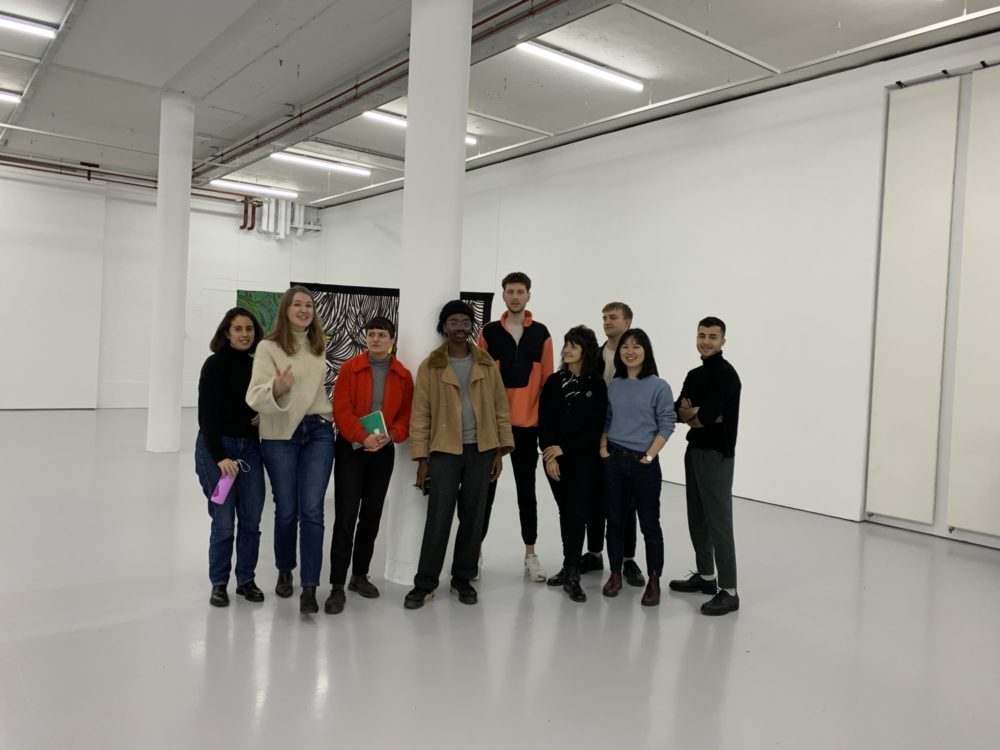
(850,636)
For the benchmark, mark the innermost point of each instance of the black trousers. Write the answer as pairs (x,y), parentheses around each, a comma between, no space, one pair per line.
(524,459)
(709,477)
(574,494)
(596,518)
(360,482)
(629,483)
(455,480)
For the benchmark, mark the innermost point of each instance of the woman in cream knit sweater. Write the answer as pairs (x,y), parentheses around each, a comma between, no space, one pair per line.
(296,431)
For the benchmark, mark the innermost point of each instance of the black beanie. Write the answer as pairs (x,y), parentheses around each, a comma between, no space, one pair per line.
(455,307)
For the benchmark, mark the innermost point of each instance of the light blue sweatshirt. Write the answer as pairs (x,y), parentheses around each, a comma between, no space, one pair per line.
(639,411)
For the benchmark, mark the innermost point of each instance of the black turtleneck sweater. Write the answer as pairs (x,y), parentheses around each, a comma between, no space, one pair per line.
(715,389)
(222,406)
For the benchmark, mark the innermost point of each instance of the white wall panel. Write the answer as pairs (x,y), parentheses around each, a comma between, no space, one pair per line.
(912,299)
(51,246)
(974,477)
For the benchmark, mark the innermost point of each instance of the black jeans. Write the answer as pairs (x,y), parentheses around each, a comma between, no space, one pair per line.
(360,481)
(460,480)
(595,524)
(574,494)
(625,477)
(524,459)
(709,477)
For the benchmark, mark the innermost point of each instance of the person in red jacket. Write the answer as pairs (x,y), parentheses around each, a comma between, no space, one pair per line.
(368,383)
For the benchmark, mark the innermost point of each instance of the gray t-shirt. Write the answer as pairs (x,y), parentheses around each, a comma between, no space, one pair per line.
(380,368)
(463,369)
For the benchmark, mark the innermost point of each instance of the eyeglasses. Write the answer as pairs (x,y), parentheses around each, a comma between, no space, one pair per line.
(454,325)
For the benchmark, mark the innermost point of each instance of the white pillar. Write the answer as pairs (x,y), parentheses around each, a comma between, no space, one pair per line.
(173,211)
(434,180)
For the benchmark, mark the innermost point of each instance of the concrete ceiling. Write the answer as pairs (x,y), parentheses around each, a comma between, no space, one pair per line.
(93,95)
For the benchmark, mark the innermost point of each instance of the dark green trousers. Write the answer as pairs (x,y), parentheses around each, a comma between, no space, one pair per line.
(709,477)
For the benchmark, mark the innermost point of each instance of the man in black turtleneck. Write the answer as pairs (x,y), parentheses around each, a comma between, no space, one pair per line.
(709,405)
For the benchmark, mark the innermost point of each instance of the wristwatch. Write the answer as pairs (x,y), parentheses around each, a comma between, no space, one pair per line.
(648,457)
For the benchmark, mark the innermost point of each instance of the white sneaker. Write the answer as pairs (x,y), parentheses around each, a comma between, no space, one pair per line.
(479,567)
(533,569)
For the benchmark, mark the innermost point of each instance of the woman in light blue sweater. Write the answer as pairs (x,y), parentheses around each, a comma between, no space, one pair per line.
(640,419)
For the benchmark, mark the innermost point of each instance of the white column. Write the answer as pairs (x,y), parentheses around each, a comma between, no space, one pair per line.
(173,209)
(434,179)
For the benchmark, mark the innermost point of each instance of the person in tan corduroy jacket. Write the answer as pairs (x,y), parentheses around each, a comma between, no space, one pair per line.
(459,429)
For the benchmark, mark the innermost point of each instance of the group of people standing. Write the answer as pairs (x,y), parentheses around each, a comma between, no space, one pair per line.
(598,423)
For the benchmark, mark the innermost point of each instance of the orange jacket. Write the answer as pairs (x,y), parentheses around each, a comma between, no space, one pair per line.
(352,399)
(524,365)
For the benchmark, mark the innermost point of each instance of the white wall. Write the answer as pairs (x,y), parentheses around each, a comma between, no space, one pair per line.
(764,212)
(77,260)
(51,238)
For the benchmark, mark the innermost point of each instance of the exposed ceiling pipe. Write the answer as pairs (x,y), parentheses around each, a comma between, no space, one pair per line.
(253,215)
(246,212)
(115,178)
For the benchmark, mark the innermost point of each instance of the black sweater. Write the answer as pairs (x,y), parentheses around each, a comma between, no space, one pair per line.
(715,389)
(571,413)
(222,406)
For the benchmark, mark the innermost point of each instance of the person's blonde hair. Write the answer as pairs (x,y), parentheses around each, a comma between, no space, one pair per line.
(282,333)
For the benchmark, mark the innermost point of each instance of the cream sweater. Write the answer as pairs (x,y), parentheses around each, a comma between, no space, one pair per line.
(279,417)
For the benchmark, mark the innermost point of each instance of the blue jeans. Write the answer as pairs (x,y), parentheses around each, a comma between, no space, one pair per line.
(299,469)
(244,504)
(628,481)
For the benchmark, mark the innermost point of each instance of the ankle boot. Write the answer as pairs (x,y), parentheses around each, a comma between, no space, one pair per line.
(651,596)
(571,585)
(614,585)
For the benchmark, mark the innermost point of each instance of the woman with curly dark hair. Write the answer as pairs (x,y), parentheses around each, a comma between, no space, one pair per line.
(571,416)
(228,446)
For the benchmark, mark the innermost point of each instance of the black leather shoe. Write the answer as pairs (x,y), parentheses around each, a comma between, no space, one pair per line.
(363,586)
(466,594)
(590,562)
(416,598)
(633,576)
(721,604)
(219,597)
(250,591)
(559,579)
(572,585)
(334,604)
(694,584)
(614,585)
(284,587)
(307,601)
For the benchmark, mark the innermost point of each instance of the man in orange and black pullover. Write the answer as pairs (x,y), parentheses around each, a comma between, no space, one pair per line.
(522,349)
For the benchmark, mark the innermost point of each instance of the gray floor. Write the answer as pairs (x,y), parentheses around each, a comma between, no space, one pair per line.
(850,636)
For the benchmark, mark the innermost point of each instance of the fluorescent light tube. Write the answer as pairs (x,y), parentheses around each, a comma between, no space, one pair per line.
(333,166)
(582,66)
(27,27)
(374,114)
(246,187)
(10,97)
(400,122)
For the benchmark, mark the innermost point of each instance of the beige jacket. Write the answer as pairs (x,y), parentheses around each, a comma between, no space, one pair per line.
(436,419)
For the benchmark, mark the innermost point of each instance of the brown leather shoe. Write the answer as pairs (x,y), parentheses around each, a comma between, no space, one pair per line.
(651,596)
(614,585)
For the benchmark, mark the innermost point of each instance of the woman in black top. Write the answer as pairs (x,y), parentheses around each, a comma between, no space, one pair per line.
(571,415)
(228,444)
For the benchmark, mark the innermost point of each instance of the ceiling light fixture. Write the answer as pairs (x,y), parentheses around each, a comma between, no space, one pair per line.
(561,58)
(374,114)
(310,161)
(246,187)
(10,96)
(400,122)
(26,26)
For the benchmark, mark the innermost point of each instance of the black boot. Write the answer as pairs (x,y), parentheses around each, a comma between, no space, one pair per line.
(559,579)
(307,601)
(572,585)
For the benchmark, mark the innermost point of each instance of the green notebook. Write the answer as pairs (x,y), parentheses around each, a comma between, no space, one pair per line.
(374,424)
